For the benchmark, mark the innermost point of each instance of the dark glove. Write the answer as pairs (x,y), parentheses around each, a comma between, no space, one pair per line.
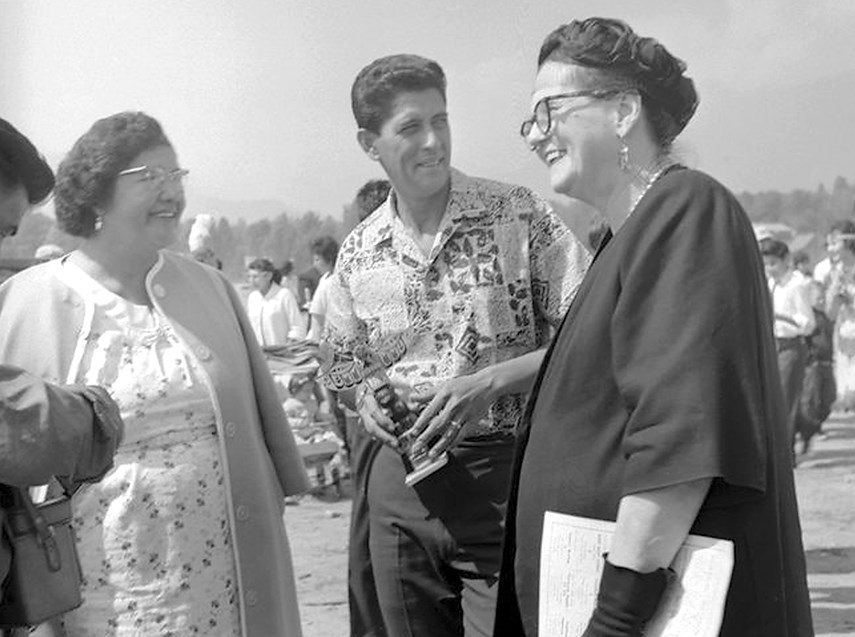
(626,601)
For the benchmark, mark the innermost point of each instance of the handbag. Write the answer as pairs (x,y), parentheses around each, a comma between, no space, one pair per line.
(44,576)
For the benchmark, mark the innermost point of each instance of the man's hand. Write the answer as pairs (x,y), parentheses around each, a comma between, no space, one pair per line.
(457,404)
(107,425)
(376,422)
(108,422)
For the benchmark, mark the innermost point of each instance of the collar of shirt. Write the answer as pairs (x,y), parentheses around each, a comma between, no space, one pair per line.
(464,203)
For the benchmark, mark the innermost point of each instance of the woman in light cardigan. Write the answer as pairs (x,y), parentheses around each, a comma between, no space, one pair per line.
(186,533)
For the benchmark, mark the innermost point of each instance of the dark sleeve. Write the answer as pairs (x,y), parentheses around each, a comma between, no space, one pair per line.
(690,346)
(47,430)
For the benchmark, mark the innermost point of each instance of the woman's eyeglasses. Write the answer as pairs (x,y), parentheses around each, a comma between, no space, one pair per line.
(157,175)
(543,109)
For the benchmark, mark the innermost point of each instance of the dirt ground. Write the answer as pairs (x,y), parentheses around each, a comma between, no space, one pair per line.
(825,481)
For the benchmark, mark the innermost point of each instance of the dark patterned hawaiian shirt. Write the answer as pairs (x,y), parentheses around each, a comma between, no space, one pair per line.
(502,271)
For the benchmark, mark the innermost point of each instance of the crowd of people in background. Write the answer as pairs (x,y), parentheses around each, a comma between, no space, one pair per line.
(661,377)
(814,329)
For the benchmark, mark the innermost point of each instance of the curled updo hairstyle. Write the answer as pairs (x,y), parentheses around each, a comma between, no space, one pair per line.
(619,59)
(378,84)
(86,176)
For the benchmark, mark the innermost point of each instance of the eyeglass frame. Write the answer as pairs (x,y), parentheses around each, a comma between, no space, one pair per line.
(528,125)
(156,174)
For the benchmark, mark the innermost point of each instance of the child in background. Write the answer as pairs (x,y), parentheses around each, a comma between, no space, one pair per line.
(300,406)
(819,389)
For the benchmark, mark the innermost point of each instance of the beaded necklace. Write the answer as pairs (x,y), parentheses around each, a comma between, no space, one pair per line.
(650,175)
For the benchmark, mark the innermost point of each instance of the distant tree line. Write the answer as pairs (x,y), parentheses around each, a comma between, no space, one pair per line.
(287,237)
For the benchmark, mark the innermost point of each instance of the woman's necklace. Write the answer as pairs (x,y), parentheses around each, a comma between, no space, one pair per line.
(649,175)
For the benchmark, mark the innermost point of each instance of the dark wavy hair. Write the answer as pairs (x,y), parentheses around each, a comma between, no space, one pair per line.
(327,248)
(87,175)
(618,58)
(370,196)
(262,265)
(770,247)
(21,164)
(378,84)
(265,265)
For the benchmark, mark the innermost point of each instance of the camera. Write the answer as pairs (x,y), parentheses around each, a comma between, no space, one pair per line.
(418,466)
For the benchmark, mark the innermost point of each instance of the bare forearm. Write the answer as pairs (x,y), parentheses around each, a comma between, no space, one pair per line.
(513,376)
(652,525)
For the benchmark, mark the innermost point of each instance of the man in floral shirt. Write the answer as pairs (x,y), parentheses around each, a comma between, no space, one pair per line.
(449,290)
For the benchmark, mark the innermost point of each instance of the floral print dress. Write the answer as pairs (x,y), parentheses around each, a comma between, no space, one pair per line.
(154,536)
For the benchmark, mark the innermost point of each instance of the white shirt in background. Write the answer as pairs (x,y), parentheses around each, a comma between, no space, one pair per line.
(790,298)
(275,317)
(319,307)
(822,271)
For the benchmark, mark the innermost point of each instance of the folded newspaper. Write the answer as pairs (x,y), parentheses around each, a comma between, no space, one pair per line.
(571,564)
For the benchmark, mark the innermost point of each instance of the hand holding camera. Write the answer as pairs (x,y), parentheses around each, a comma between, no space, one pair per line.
(417,461)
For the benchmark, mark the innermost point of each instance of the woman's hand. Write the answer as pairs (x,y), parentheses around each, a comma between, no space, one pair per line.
(452,408)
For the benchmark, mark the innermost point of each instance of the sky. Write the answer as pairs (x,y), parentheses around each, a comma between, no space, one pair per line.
(254,94)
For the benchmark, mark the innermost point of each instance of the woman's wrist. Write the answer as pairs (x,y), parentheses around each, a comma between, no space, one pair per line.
(626,601)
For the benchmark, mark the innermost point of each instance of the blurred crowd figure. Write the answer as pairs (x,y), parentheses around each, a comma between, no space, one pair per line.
(273,310)
(818,348)
(288,278)
(324,253)
(837,273)
(793,323)
(370,196)
(200,241)
(819,389)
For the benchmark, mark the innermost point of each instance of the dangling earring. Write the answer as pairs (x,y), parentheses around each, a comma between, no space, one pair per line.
(623,155)
(99,222)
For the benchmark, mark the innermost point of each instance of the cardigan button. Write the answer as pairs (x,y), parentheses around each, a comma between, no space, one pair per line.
(159,290)
(242,513)
(251,598)
(231,428)
(203,353)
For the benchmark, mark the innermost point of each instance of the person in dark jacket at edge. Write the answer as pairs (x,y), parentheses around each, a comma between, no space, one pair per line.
(46,429)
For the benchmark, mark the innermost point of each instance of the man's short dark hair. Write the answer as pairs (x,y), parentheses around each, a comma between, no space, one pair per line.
(378,84)
(372,194)
(21,164)
(327,248)
(774,248)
